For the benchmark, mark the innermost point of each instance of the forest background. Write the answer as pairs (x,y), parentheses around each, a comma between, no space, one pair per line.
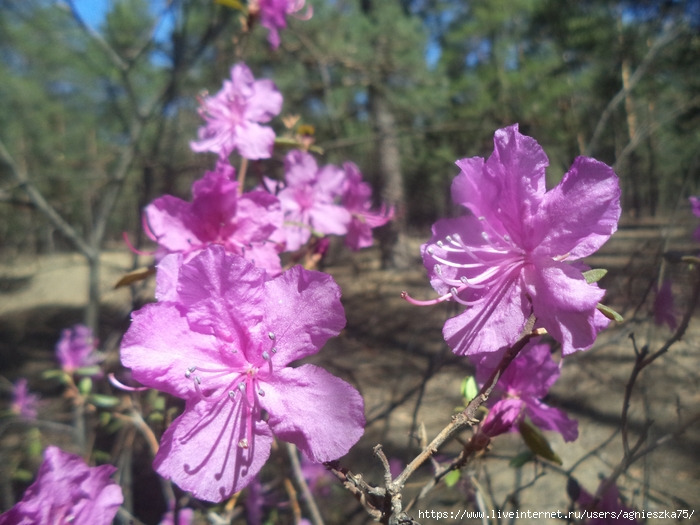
(96,116)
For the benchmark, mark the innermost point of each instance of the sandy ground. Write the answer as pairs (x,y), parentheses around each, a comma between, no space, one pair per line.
(394,353)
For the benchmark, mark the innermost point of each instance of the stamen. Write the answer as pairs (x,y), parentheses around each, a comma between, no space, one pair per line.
(189,371)
(243,443)
(430,250)
(231,394)
(440,244)
(261,393)
(271,335)
(241,386)
(122,386)
(404,295)
(265,356)
(274,350)
(437,269)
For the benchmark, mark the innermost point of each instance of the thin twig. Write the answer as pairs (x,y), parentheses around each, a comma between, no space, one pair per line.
(316,517)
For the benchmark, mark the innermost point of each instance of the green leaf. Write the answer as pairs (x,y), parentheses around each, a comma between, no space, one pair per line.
(156,417)
(34,448)
(469,388)
(104,401)
(50,374)
(522,458)
(88,371)
(536,442)
(233,4)
(85,386)
(452,477)
(593,276)
(609,313)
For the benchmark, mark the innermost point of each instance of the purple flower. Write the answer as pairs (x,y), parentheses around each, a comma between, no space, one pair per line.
(184,517)
(663,306)
(309,200)
(23,403)
(317,476)
(67,491)
(608,510)
(233,115)
(505,260)
(273,15)
(221,337)
(357,199)
(76,349)
(242,224)
(526,380)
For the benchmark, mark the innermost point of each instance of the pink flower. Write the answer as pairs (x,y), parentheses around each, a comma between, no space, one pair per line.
(76,349)
(184,517)
(608,510)
(663,306)
(309,200)
(221,337)
(67,491)
(506,260)
(233,117)
(24,404)
(357,199)
(218,215)
(526,380)
(273,15)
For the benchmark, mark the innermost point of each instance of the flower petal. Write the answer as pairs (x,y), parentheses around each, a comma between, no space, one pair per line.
(159,347)
(166,277)
(303,311)
(580,214)
(169,219)
(254,141)
(501,417)
(265,101)
(564,303)
(494,323)
(200,451)
(318,412)
(550,418)
(222,294)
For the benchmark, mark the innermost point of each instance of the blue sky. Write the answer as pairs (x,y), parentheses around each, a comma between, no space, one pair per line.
(94,11)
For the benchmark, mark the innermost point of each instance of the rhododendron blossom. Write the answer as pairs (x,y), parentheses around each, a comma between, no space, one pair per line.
(519,392)
(695,208)
(233,116)
(309,199)
(23,403)
(357,199)
(67,492)
(220,337)
(609,510)
(508,258)
(273,15)
(242,224)
(77,349)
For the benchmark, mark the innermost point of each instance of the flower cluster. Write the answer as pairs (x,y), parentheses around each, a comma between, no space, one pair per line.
(76,349)
(67,491)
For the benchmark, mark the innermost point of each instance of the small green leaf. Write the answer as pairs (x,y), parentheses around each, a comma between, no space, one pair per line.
(156,417)
(609,313)
(522,458)
(593,276)
(50,374)
(88,371)
(536,442)
(85,386)
(34,448)
(103,401)
(469,388)
(105,418)
(452,477)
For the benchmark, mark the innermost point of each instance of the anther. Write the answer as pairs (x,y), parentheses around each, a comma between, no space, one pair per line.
(231,394)
(271,335)
(265,356)
(243,443)
(440,244)
(241,386)
(464,280)
(482,218)
(261,393)
(448,238)
(485,236)
(430,250)
(198,380)
(274,350)
(437,269)
(189,371)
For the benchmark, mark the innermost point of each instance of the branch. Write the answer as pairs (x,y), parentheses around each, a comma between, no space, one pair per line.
(41,203)
(316,517)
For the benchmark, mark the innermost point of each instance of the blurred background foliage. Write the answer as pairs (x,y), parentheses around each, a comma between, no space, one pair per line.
(403,88)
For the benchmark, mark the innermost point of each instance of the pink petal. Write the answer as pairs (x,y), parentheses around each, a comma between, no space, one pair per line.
(303,310)
(564,303)
(330,219)
(532,373)
(492,324)
(222,294)
(200,452)
(159,347)
(255,141)
(581,213)
(501,417)
(550,418)
(304,409)
(299,168)
(168,271)
(169,218)
(265,101)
